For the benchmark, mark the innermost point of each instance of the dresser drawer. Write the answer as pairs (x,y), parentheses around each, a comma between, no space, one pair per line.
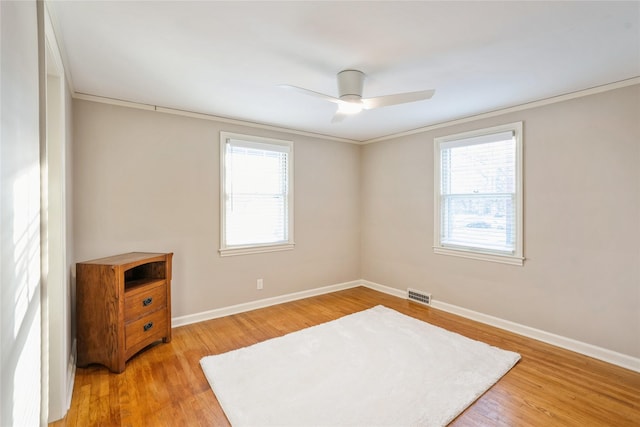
(146,330)
(143,301)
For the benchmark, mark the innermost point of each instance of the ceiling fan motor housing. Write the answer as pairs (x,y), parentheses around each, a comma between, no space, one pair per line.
(350,83)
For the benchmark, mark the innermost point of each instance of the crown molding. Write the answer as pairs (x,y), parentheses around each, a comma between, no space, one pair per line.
(521,107)
(177,112)
(54,39)
(529,105)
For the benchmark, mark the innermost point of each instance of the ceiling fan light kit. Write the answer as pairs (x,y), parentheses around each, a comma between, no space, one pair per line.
(350,101)
(350,107)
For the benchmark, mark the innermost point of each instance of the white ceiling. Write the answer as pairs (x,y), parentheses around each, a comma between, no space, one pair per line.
(227,58)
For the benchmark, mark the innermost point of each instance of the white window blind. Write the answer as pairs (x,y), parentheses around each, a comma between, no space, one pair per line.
(256,194)
(478,206)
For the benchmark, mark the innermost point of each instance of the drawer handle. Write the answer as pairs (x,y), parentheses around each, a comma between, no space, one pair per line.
(148,326)
(147,302)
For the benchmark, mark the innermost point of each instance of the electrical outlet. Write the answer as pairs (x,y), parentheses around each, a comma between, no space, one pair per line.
(259,284)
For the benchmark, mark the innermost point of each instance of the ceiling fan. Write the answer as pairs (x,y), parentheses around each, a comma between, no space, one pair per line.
(350,100)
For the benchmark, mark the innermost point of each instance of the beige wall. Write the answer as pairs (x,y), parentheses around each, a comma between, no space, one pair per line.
(581,277)
(149,181)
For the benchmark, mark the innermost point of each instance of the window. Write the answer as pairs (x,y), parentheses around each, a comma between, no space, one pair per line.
(256,194)
(478,194)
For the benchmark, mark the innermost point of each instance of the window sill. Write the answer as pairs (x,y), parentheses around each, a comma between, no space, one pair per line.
(503,259)
(244,250)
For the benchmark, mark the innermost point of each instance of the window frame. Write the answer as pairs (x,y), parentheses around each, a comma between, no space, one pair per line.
(517,258)
(230,250)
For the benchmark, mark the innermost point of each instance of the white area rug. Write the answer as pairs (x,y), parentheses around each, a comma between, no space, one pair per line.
(376,367)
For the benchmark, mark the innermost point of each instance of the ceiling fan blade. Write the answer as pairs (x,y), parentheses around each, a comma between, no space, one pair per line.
(338,117)
(399,98)
(312,93)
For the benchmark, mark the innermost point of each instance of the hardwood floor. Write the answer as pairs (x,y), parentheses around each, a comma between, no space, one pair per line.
(165,386)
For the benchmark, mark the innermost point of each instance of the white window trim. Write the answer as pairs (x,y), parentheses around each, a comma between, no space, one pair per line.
(479,254)
(258,248)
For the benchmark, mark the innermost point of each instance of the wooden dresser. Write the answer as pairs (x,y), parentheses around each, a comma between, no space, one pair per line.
(123,304)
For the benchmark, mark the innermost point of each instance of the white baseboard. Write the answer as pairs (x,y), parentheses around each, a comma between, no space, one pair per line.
(253,305)
(61,413)
(71,373)
(586,349)
(609,356)
(384,289)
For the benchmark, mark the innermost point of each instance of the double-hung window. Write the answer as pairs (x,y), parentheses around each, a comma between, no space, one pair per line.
(478,194)
(256,194)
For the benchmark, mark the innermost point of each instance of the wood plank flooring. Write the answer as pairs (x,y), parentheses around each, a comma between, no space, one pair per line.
(165,386)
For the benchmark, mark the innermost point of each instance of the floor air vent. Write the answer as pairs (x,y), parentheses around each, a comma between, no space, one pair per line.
(419,296)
